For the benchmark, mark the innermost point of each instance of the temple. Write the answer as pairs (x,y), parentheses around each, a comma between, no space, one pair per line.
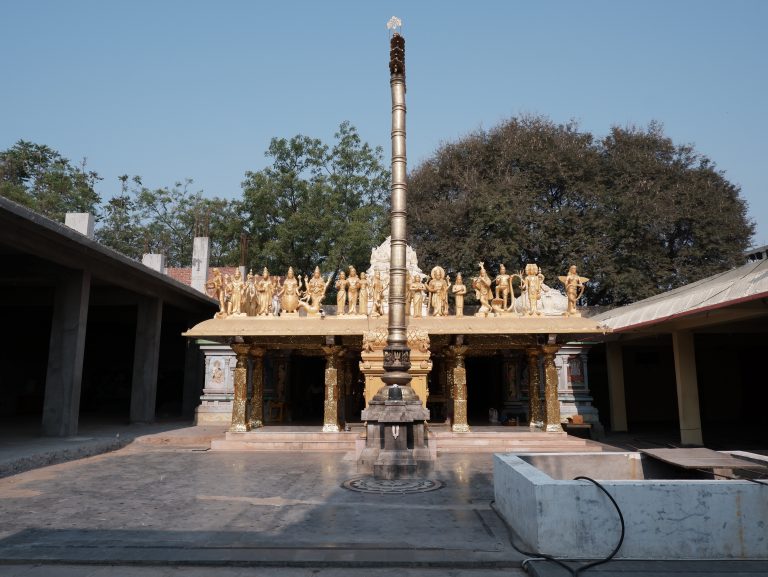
(503,365)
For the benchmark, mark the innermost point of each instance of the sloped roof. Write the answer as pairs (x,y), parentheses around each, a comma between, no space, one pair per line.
(745,283)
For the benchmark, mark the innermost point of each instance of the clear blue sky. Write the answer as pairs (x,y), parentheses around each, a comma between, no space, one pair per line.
(184,88)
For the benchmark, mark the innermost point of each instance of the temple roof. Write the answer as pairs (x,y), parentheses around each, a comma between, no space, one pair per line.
(450,325)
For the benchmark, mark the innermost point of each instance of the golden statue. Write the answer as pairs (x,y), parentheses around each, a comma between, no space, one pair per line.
(277,293)
(341,295)
(264,294)
(574,288)
(482,285)
(364,296)
(236,298)
(353,287)
(438,291)
(314,292)
(416,292)
(503,283)
(459,289)
(217,287)
(533,286)
(378,288)
(227,294)
(290,293)
(251,303)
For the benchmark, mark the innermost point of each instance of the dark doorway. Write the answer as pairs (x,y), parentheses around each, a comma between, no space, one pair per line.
(307,380)
(484,388)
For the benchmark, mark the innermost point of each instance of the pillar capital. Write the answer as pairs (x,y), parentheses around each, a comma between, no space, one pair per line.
(256,351)
(240,348)
(549,350)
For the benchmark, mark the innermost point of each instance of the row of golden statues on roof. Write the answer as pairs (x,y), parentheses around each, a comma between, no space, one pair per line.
(357,295)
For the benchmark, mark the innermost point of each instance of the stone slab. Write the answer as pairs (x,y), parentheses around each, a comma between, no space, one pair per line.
(150,504)
(701,458)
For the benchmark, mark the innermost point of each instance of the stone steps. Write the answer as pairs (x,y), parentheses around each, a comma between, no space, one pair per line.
(268,441)
(518,441)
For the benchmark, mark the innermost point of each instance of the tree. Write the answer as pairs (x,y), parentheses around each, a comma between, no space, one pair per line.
(634,212)
(315,204)
(163,220)
(39,178)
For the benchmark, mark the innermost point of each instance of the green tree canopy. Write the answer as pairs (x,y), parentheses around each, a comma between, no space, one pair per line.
(39,178)
(163,220)
(635,212)
(316,204)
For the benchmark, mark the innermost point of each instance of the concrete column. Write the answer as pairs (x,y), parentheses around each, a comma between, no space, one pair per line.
(154,261)
(201,248)
(687,388)
(239,424)
(551,399)
(615,365)
(460,424)
(333,374)
(256,413)
(82,222)
(146,356)
(61,406)
(193,383)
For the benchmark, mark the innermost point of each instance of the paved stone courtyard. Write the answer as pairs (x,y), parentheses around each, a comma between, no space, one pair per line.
(151,506)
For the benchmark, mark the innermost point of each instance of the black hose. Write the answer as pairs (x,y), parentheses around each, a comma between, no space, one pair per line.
(561,561)
(621,520)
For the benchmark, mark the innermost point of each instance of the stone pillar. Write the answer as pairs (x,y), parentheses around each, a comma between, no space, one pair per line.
(534,391)
(192,379)
(333,374)
(687,388)
(615,366)
(551,379)
(146,357)
(256,412)
(460,424)
(239,424)
(61,406)
(218,390)
(201,247)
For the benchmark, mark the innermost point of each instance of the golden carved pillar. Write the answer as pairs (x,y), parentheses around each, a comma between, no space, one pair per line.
(239,424)
(551,400)
(450,364)
(534,389)
(256,412)
(460,424)
(333,374)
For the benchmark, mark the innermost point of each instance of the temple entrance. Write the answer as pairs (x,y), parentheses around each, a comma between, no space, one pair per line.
(484,388)
(306,386)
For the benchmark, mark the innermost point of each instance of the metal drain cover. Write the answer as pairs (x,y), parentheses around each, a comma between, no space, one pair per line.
(395,487)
